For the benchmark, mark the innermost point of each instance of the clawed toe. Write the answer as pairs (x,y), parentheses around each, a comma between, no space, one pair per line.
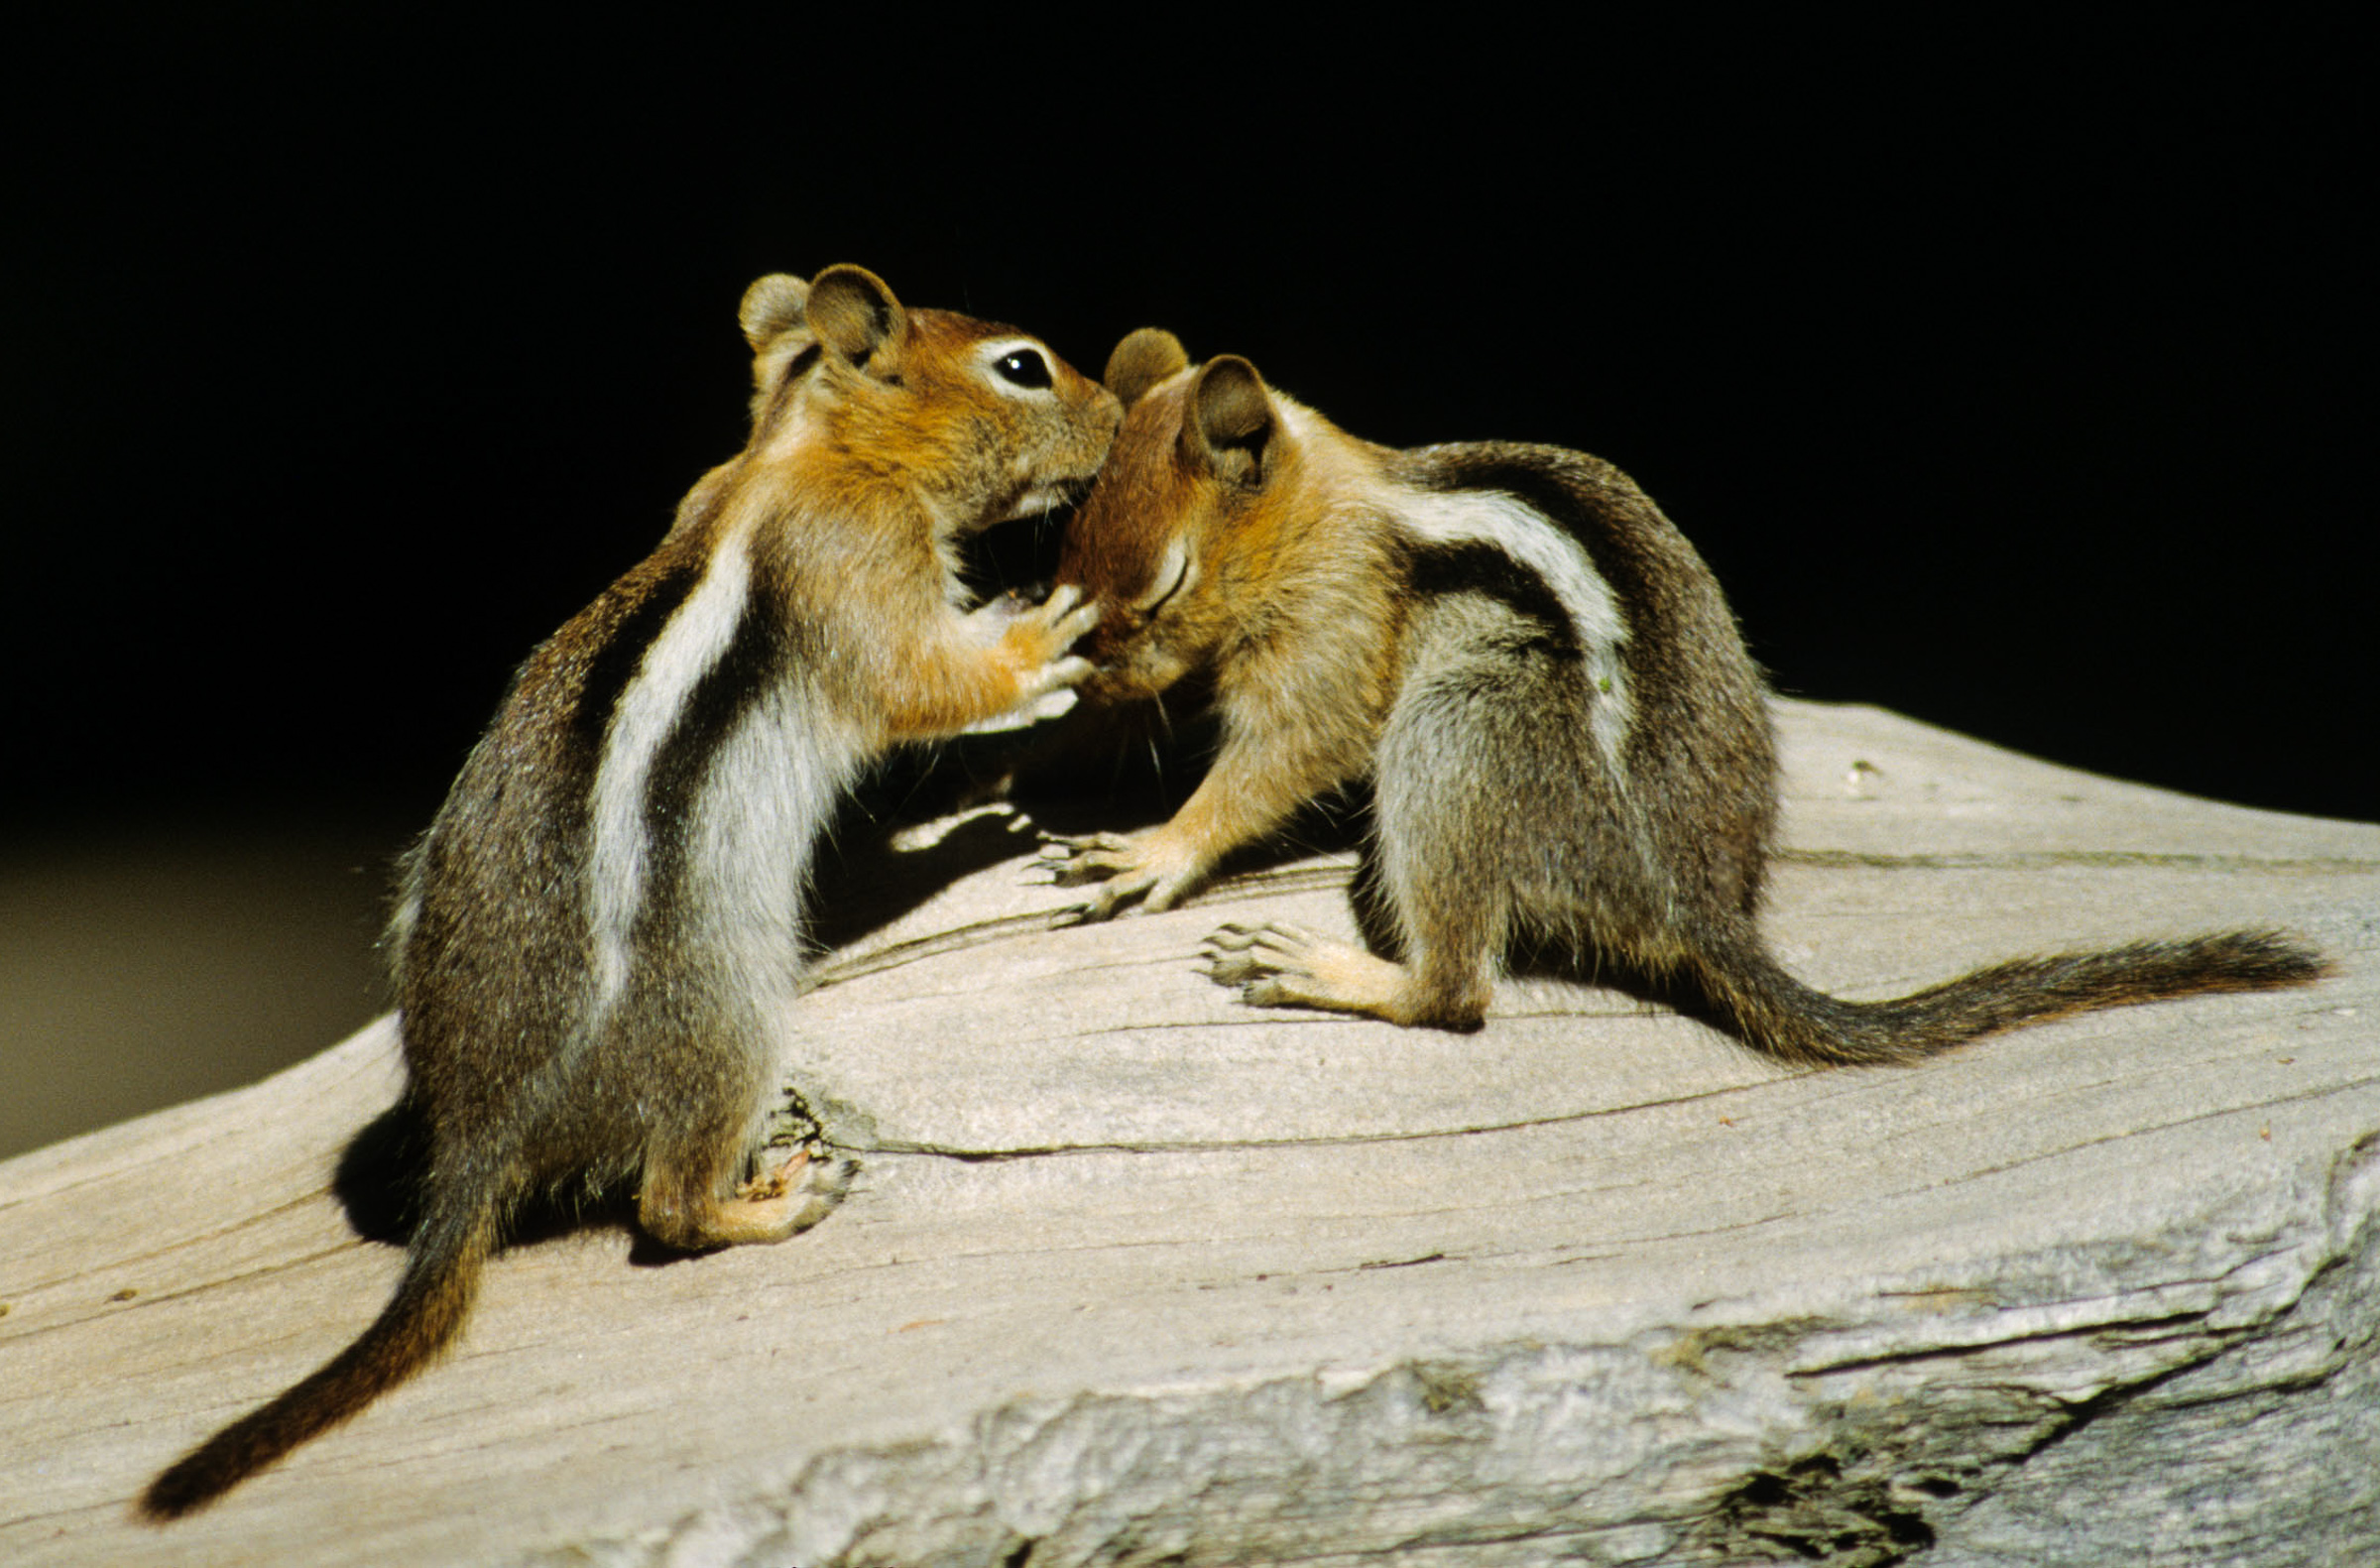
(776,1183)
(1268,993)
(1234,938)
(1232,969)
(1072,859)
(1099,909)
(1078,843)
(1287,940)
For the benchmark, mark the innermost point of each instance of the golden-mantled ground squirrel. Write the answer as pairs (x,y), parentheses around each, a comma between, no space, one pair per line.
(1568,748)
(598,931)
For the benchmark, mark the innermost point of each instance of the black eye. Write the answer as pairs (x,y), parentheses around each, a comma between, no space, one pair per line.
(1025,368)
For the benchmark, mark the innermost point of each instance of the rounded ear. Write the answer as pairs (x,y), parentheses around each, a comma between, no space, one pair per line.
(853,312)
(1140,361)
(1230,419)
(770,305)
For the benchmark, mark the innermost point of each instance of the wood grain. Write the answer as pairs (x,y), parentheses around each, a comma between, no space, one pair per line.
(1135,1273)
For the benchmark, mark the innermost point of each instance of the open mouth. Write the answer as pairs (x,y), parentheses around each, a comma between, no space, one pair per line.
(1020,552)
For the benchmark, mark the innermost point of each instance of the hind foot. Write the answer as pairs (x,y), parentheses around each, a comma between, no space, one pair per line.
(786,1201)
(1276,965)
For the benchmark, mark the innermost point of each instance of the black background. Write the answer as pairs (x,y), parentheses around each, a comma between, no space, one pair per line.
(2000,369)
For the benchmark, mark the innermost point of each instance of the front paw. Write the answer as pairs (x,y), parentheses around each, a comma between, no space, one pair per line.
(1034,634)
(1067,617)
(1059,675)
(1032,710)
(1127,868)
(1073,860)
(1037,636)
(1033,643)
(1046,694)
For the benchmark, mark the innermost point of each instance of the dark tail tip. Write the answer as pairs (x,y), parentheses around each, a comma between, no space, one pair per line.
(257,1439)
(189,1485)
(2269,959)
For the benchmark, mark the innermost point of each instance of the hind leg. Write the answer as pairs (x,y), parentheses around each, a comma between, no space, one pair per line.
(1432,889)
(1472,761)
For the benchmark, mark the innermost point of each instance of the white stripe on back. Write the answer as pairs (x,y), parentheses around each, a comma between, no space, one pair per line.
(648,710)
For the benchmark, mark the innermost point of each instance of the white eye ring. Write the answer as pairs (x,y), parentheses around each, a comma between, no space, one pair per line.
(1019,366)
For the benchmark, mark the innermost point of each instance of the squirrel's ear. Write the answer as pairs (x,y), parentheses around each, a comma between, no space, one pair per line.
(1231,421)
(1140,361)
(770,305)
(853,313)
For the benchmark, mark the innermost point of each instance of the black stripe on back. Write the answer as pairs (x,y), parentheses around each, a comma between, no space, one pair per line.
(1583,505)
(1477,566)
(615,662)
(719,702)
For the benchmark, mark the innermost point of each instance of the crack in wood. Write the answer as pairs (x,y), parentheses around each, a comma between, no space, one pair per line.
(1242,1144)
(1954,1349)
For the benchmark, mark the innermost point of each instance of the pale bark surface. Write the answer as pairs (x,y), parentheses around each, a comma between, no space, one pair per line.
(1133,1274)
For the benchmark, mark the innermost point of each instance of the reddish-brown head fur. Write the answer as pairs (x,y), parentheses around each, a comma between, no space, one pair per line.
(1188,531)
(913,400)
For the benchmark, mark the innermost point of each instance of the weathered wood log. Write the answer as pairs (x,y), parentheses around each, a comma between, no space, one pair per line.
(1135,1275)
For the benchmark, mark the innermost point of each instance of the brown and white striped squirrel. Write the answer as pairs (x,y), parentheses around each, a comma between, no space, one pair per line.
(1567,746)
(598,931)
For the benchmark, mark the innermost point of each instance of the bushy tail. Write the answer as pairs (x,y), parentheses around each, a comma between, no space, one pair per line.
(441,1282)
(1768,1008)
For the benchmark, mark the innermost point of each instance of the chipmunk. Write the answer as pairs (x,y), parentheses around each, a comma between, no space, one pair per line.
(1567,746)
(595,935)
